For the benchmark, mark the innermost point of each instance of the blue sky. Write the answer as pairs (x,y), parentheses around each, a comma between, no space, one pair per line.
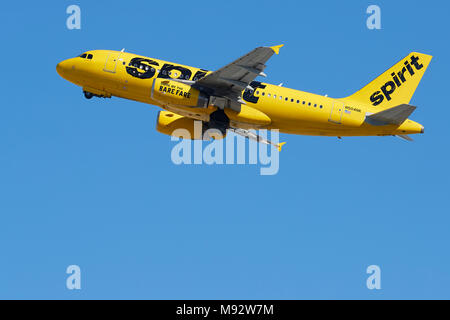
(91,183)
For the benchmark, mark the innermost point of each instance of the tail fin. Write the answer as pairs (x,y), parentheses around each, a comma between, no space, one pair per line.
(395,86)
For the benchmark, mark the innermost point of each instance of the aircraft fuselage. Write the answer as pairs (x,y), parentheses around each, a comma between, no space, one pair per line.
(148,80)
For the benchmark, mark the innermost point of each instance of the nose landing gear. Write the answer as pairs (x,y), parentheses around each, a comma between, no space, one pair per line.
(90,95)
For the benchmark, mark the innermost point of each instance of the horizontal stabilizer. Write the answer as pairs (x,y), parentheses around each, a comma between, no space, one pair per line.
(405,137)
(396,115)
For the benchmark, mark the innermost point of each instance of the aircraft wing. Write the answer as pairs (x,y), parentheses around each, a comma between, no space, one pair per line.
(253,136)
(229,82)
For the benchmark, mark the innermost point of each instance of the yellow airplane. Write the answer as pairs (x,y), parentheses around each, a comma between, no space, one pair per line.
(231,99)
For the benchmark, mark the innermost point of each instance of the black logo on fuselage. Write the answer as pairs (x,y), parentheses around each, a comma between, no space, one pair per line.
(398,78)
(143,68)
(167,69)
(249,95)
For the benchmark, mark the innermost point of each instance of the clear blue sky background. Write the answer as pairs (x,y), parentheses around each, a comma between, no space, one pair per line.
(91,183)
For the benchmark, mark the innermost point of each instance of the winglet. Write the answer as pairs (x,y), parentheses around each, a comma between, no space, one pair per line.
(280,145)
(276,49)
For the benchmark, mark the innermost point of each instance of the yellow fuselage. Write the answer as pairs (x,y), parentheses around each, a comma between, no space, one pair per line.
(113,73)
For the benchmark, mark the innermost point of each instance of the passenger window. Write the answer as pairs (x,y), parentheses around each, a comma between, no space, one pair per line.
(274,96)
(263,94)
(298,101)
(268,94)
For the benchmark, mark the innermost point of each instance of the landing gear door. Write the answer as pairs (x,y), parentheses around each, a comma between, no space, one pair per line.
(111,61)
(336,112)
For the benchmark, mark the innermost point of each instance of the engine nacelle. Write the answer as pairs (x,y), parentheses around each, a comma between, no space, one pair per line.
(178,126)
(174,93)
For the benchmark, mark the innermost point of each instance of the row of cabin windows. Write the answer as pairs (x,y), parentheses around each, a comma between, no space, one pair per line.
(292,100)
(86,56)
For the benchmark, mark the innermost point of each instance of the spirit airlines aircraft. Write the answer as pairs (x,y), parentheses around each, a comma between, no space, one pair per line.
(231,99)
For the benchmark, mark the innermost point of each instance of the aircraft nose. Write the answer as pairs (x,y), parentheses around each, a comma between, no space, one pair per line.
(62,68)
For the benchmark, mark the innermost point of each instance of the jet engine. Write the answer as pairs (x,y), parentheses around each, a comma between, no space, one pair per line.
(178,126)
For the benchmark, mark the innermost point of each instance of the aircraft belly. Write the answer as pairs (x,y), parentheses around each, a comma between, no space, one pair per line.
(248,117)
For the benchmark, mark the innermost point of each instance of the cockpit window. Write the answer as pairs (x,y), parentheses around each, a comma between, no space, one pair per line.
(86,56)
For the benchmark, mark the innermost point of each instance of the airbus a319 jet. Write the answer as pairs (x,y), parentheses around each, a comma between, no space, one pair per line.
(231,99)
